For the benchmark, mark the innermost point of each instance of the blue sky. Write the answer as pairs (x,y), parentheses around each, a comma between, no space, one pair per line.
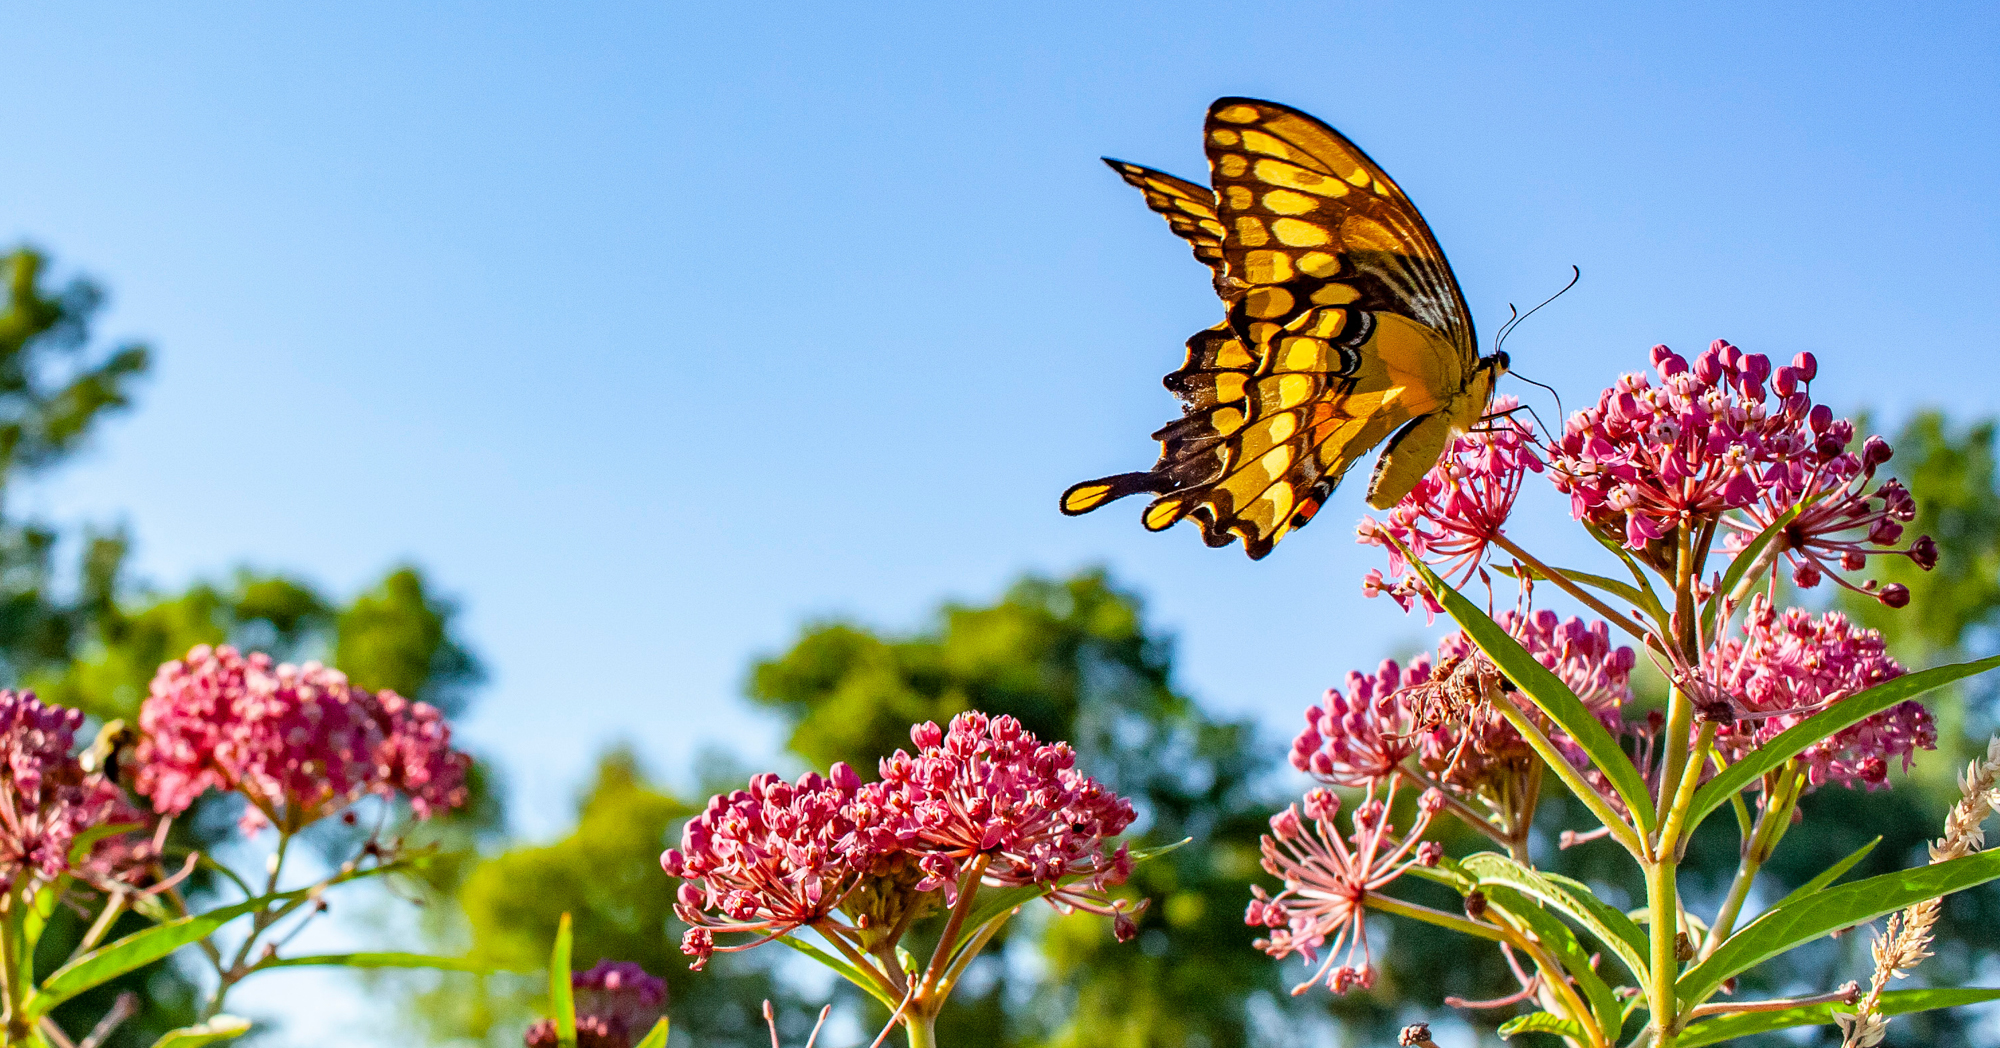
(656,330)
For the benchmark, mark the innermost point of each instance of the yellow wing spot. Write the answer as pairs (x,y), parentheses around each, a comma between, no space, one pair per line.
(1263,331)
(1303,354)
(1272,507)
(1267,267)
(1259,142)
(1227,421)
(1233,355)
(1292,176)
(1286,202)
(1322,265)
(1275,462)
(1281,428)
(1239,197)
(1212,227)
(1268,302)
(1083,499)
(1331,294)
(1238,115)
(1232,165)
(1294,389)
(1229,387)
(1250,233)
(1295,233)
(1223,136)
(1325,323)
(1161,514)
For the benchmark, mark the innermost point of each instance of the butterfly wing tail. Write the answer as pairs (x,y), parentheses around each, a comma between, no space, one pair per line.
(1087,496)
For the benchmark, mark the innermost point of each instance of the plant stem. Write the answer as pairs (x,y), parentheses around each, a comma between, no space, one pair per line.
(921,1027)
(968,885)
(1662,897)
(1554,758)
(1847,994)
(1675,816)
(1414,911)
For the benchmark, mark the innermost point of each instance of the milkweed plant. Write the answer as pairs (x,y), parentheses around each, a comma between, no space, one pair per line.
(1718,487)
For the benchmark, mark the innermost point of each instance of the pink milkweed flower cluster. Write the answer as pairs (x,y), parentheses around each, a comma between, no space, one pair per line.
(1362,735)
(777,857)
(1788,665)
(1328,878)
(617,1003)
(47,799)
(299,742)
(1456,511)
(987,786)
(1648,459)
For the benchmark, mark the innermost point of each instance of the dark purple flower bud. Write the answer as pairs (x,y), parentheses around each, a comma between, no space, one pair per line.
(1895,595)
(1875,452)
(1924,553)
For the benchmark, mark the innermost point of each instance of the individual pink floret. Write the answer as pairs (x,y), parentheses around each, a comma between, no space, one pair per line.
(1328,878)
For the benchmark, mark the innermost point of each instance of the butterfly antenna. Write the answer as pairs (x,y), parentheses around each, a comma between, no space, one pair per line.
(1575,275)
(1513,317)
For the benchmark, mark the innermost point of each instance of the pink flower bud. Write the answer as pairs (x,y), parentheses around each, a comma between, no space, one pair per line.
(1808,366)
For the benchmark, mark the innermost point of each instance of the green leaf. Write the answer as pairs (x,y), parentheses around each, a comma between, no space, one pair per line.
(1615,930)
(1622,590)
(562,998)
(1807,918)
(844,969)
(1741,562)
(36,919)
(657,1038)
(82,843)
(383,960)
(1830,874)
(1540,1022)
(1547,691)
(1559,940)
(136,951)
(220,1028)
(1798,737)
(1895,1002)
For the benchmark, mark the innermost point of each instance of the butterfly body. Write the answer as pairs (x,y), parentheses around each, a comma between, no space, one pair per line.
(1345,329)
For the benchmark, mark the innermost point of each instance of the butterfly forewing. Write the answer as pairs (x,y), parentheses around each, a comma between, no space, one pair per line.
(1309,221)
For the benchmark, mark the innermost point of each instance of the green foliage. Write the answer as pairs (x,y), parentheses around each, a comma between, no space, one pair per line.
(54,387)
(1950,471)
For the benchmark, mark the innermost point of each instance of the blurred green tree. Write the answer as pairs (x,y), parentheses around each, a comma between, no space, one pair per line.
(88,638)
